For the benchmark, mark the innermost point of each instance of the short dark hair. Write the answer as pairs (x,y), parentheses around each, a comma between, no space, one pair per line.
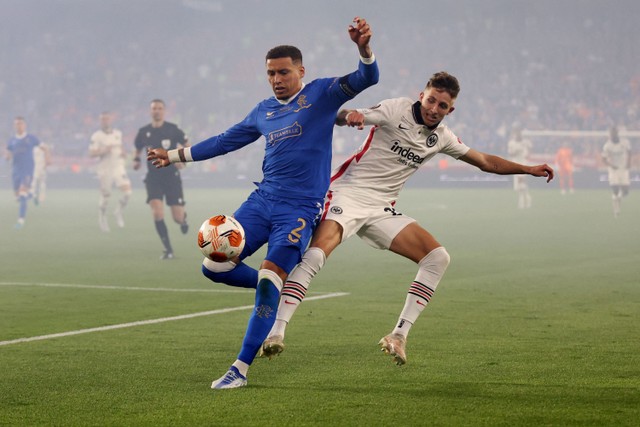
(445,81)
(285,51)
(153,101)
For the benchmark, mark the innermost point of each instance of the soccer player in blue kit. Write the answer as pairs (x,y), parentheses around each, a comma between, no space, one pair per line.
(297,124)
(20,151)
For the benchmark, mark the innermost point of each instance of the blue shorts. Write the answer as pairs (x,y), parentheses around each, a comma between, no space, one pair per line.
(21,180)
(285,224)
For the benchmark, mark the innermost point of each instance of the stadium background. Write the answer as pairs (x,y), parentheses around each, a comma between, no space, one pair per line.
(561,65)
(536,322)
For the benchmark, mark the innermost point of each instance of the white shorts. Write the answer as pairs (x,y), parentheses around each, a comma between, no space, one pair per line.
(519,182)
(619,177)
(117,178)
(376,223)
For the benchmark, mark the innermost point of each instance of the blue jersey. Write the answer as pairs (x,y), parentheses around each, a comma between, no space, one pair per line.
(21,150)
(298,134)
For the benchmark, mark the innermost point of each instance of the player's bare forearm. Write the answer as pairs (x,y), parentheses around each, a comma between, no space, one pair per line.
(136,160)
(500,166)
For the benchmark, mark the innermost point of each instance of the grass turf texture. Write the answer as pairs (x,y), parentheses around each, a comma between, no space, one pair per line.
(535,323)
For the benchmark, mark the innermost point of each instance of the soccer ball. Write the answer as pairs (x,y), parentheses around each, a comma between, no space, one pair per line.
(221,238)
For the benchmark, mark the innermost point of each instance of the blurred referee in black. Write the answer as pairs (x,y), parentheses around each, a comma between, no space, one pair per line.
(164,183)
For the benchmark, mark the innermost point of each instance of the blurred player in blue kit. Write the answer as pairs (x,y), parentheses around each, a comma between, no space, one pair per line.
(297,124)
(19,151)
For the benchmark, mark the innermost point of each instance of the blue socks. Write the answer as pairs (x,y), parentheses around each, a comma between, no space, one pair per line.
(263,316)
(23,206)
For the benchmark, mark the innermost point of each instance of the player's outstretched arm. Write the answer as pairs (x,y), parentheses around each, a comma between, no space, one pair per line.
(496,164)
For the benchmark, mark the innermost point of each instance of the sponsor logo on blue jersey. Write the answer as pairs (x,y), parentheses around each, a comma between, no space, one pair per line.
(281,134)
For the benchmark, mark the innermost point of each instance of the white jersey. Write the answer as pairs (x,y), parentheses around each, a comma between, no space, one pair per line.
(108,148)
(39,159)
(617,154)
(519,150)
(397,145)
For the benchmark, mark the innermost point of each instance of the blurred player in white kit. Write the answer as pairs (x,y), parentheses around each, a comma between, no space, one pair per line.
(106,145)
(519,149)
(616,154)
(42,160)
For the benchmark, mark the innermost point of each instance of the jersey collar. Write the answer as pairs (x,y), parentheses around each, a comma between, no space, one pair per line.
(418,117)
(288,100)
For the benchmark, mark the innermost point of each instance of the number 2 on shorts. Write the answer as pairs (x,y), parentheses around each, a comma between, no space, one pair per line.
(294,236)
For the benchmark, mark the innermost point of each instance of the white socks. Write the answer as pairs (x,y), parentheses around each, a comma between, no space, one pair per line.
(431,269)
(296,286)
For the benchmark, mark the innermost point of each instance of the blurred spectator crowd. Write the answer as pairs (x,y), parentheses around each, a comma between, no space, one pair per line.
(565,65)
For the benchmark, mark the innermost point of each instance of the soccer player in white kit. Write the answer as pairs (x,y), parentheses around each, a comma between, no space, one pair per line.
(106,145)
(41,160)
(363,191)
(519,149)
(616,154)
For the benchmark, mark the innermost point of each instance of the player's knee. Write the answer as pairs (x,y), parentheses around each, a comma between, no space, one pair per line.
(438,258)
(313,260)
(178,218)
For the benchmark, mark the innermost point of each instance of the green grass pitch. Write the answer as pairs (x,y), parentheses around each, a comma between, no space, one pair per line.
(536,322)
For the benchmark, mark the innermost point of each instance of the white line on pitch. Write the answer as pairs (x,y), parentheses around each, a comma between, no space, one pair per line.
(152,321)
(123,288)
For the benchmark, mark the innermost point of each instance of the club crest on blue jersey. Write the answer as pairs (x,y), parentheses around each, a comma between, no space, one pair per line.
(302,103)
(166,144)
(281,134)
(432,140)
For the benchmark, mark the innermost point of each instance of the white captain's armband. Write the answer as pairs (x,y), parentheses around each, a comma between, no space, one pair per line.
(180,155)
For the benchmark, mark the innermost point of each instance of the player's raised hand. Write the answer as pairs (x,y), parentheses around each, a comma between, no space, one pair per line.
(158,157)
(360,32)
